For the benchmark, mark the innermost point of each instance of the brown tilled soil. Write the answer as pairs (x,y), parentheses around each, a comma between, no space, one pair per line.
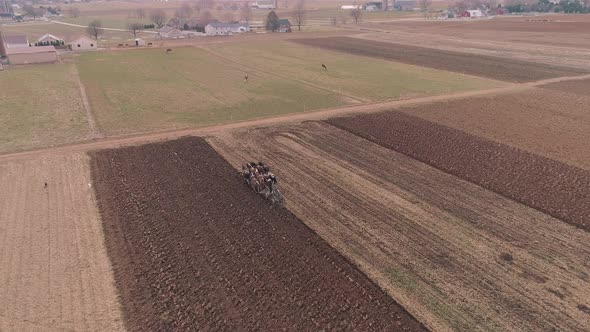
(542,121)
(479,65)
(563,31)
(55,274)
(556,188)
(457,256)
(580,87)
(193,248)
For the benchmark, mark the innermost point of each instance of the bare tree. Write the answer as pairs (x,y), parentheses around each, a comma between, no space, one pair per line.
(74,12)
(206,4)
(357,15)
(385,5)
(158,16)
(343,17)
(95,29)
(205,18)
(30,10)
(461,6)
(228,17)
(424,5)
(299,13)
(140,13)
(135,28)
(246,12)
(40,12)
(185,11)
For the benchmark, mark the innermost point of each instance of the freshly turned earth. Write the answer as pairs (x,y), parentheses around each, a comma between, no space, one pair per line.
(550,186)
(498,68)
(193,248)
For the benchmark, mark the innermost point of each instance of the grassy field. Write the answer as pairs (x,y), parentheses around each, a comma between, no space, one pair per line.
(40,106)
(353,75)
(146,90)
(36,30)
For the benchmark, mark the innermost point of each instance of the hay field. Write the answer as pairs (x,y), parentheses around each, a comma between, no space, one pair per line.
(41,106)
(144,90)
(360,76)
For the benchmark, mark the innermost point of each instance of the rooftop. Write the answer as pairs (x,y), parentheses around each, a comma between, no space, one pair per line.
(15,39)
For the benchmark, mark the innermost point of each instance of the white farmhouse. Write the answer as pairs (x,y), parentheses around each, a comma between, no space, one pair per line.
(224,29)
(169,32)
(82,44)
(475,13)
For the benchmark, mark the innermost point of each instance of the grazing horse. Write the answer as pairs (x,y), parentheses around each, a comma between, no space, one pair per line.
(149,44)
(324,66)
(168,51)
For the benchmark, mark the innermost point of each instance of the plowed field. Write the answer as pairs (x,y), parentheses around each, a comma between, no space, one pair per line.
(581,87)
(54,270)
(478,65)
(550,186)
(543,121)
(457,256)
(194,248)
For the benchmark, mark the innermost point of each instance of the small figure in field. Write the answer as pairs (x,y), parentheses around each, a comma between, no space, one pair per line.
(45,185)
(324,66)
(168,51)
(246,78)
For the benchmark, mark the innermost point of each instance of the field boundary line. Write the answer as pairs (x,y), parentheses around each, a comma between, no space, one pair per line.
(94,130)
(317,86)
(147,137)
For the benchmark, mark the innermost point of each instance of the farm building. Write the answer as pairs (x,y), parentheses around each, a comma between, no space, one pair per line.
(221,29)
(373,6)
(15,41)
(139,42)
(82,44)
(405,5)
(351,7)
(49,39)
(265,4)
(472,13)
(169,32)
(284,25)
(30,55)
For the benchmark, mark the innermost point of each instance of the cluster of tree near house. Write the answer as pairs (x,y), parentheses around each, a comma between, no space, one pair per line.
(276,24)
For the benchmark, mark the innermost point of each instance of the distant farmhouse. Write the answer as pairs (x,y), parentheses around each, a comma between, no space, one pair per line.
(82,44)
(169,32)
(284,25)
(472,13)
(224,29)
(406,5)
(374,6)
(351,7)
(265,4)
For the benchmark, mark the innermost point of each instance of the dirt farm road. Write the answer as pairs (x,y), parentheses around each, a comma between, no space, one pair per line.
(118,141)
